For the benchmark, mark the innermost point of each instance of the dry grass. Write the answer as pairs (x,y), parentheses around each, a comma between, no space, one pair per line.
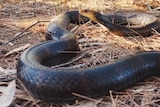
(103,46)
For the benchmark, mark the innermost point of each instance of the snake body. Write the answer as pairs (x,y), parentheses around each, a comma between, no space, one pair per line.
(58,85)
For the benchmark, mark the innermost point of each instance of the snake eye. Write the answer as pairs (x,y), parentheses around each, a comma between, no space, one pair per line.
(85,11)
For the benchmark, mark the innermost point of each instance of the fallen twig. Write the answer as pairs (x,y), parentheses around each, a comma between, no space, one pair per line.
(90,99)
(17,50)
(20,34)
(72,61)
(156,32)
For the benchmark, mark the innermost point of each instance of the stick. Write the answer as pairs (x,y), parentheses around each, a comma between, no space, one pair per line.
(88,98)
(20,34)
(17,50)
(72,61)
(156,31)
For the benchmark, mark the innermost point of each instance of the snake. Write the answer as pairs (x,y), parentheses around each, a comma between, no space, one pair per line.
(58,85)
(129,24)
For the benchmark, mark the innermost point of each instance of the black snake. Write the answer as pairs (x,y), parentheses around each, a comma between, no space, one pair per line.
(58,85)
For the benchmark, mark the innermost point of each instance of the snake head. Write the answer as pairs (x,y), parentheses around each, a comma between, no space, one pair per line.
(90,14)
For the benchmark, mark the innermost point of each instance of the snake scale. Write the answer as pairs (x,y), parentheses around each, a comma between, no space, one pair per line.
(58,85)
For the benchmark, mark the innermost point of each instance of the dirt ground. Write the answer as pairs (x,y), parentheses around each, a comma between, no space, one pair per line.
(16,17)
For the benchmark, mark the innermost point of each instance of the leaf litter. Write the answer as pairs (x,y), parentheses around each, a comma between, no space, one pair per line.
(102,45)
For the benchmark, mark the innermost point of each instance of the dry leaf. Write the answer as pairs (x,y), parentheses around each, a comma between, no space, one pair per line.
(8,95)
(1,6)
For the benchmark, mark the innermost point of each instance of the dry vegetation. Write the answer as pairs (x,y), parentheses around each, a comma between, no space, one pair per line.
(104,47)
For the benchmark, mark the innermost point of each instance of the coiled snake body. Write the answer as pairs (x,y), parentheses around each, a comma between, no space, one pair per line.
(58,85)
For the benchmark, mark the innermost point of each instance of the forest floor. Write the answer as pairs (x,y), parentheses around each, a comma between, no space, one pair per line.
(17,18)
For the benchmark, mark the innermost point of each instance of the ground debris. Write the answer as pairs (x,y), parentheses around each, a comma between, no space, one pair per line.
(101,46)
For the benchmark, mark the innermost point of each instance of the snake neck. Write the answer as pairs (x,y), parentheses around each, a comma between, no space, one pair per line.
(76,18)
(57,28)
(103,20)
